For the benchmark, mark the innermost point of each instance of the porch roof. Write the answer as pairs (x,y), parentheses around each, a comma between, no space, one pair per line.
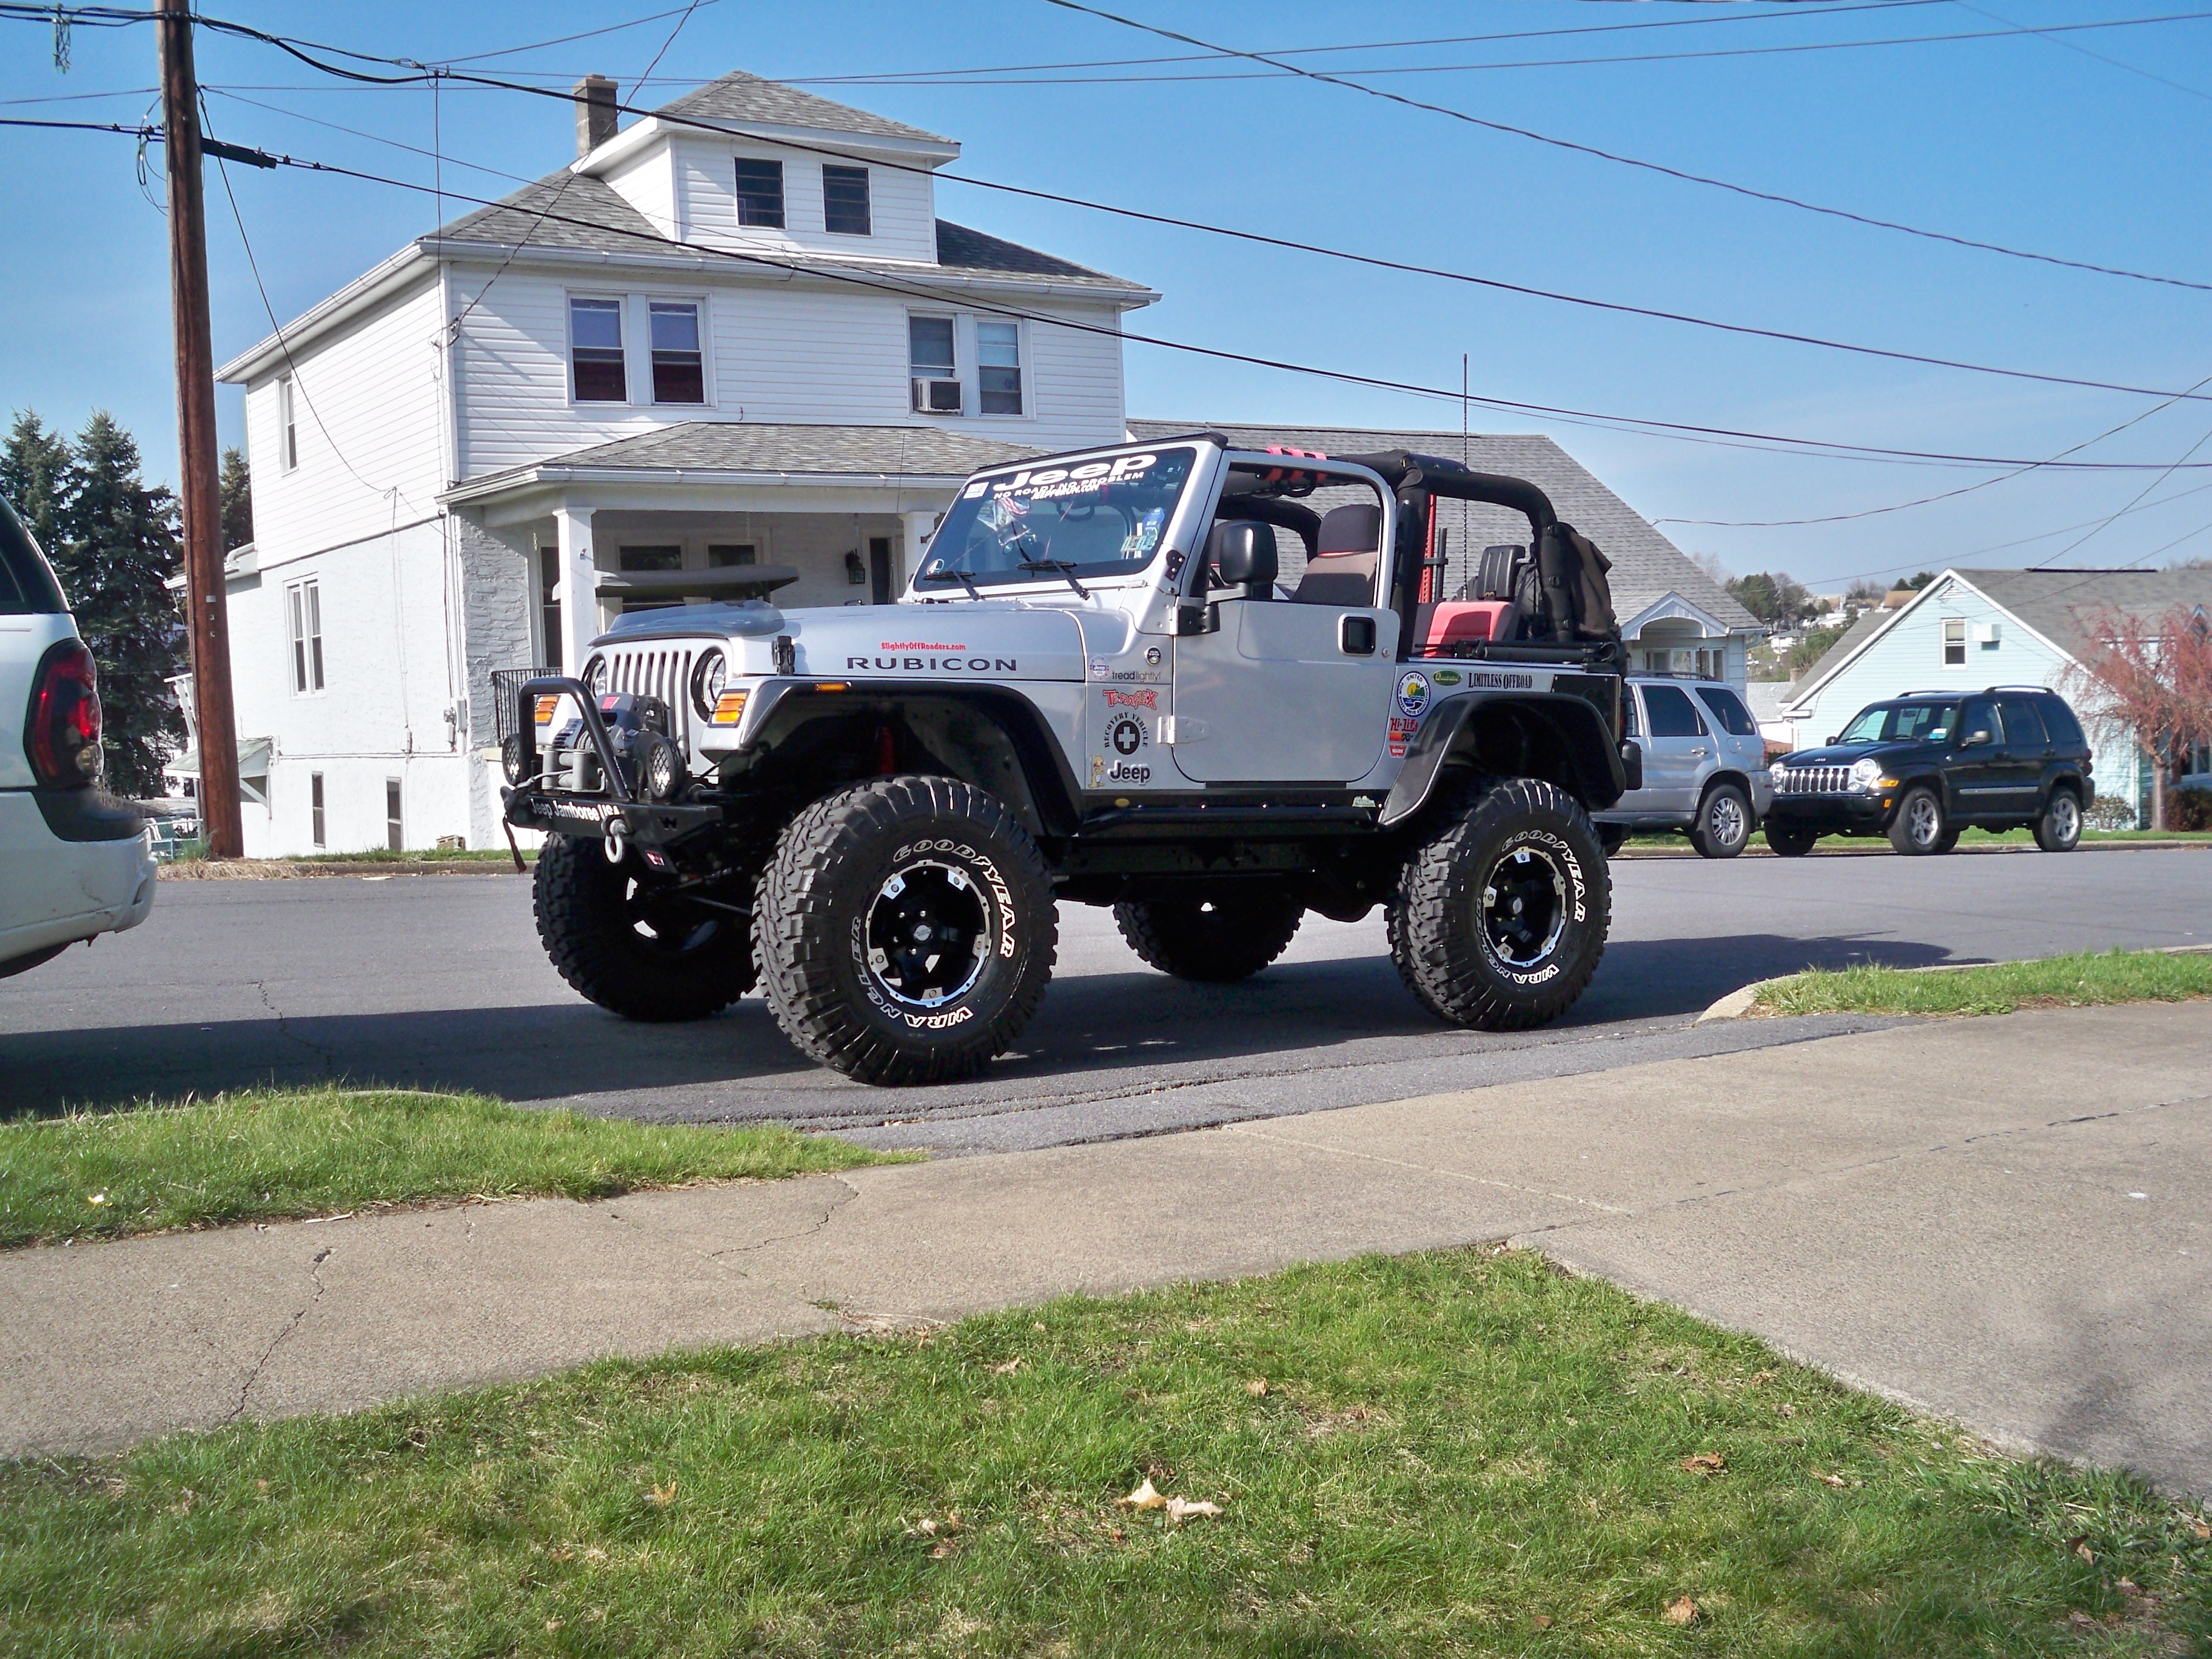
(694,452)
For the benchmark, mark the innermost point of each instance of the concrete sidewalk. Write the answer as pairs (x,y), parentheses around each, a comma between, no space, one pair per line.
(2006,1220)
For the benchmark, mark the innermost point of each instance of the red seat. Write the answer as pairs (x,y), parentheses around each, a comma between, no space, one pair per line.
(1468,621)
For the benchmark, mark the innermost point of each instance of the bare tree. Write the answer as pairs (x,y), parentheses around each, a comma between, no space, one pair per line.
(2152,680)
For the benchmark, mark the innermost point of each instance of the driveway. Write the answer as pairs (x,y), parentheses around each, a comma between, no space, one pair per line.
(439,982)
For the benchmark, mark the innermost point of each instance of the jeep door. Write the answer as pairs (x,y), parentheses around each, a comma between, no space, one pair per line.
(1285,693)
(1678,752)
(1982,787)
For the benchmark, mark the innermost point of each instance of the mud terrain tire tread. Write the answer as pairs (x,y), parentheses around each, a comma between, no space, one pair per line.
(1441,962)
(576,897)
(1242,934)
(802,912)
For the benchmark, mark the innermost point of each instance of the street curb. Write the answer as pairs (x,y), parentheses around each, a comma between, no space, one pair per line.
(1738,1004)
(284,870)
(1881,849)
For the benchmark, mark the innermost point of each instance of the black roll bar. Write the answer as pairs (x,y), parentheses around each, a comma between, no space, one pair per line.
(526,700)
(1404,470)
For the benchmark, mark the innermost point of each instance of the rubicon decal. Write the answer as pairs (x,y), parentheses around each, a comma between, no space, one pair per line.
(934,665)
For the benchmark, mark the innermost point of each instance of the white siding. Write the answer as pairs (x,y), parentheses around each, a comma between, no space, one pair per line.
(901,205)
(374,387)
(647,182)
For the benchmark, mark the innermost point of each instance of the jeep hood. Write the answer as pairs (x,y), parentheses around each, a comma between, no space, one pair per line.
(1843,754)
(989,641)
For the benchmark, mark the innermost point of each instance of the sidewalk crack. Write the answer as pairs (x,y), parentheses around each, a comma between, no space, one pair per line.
(254,1374)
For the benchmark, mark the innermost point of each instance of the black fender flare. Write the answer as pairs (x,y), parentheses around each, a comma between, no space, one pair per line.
(783,706)
(1598,776)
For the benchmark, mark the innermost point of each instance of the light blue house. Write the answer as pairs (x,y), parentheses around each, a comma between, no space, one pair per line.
(1971,629)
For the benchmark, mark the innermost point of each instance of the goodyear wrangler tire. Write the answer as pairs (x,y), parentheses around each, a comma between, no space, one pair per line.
(1220,940)
(905,930)
(1500,913)
(620,945)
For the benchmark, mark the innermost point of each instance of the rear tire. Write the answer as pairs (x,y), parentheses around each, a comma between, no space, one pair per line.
(633,953)
(1611,836)
(905,930)
(1500,917)
(2059,828)
(1724,823)
(1217,941)
(1919,828)
(1790,842)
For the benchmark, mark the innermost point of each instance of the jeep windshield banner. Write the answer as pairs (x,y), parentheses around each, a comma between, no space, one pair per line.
(1102,518)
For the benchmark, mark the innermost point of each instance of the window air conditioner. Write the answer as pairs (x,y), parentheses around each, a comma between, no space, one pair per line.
(936,397)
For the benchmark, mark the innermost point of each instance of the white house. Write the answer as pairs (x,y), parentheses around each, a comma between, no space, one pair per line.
(732,333)
(1971,629)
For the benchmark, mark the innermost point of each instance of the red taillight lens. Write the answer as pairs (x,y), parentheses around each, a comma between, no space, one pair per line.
(62,735)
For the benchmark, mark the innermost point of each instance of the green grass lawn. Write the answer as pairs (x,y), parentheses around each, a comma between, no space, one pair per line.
(1455,1453)
(2071,981)
(301,1152)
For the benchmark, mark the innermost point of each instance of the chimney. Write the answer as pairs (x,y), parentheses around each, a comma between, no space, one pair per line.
(595,112)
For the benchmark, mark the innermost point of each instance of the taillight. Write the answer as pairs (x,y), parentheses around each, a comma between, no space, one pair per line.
(62,737)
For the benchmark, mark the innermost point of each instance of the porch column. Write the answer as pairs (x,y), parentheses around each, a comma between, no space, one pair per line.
(918,525)
(577,588)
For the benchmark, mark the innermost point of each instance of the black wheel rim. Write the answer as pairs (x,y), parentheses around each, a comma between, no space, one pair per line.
(664,924)
(1523,907)
(928,930)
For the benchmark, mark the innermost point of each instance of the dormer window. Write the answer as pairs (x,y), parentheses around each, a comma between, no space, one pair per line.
(845,201)
(595,350)
(760,193)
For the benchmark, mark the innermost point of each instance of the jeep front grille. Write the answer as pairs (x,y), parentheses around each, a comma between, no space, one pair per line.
(1813,781)
(655,671)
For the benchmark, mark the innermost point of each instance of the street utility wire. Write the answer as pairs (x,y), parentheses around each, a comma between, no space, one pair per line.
(1636,161)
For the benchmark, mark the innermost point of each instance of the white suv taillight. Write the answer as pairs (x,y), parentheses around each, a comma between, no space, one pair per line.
(62,737)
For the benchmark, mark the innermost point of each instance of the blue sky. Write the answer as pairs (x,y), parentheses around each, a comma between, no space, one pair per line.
(2026,140)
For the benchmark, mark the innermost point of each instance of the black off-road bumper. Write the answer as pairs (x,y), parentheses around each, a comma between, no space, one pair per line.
(645,824)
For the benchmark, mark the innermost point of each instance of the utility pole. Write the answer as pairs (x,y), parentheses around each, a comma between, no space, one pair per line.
(198,490)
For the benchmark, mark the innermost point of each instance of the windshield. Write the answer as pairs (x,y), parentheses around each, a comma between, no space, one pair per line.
(1902,722)
(1102,518)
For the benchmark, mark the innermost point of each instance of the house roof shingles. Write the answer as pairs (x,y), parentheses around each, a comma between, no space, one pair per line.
(1646,566)
(916,452)
(739,97)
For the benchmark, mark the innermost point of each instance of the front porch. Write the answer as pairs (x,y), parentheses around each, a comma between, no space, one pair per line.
(1673,636)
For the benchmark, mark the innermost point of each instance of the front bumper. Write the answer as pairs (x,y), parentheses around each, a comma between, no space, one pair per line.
(644,823)
(1845,814)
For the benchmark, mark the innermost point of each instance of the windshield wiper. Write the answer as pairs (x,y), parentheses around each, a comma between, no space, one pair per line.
(965,578)
(1061,568)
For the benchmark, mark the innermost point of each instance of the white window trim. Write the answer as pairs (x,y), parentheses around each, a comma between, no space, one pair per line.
(1024,364)
(301,648)
(645,303)
(737,209)
(1943,642)
(629,399)
(288,425)
(822,185)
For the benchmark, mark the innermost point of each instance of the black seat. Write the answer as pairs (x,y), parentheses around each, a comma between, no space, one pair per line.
(1348,551)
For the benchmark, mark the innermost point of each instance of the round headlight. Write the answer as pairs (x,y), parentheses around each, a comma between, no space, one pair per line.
(663,767)
(707,679)
(1864,772)
(594,674)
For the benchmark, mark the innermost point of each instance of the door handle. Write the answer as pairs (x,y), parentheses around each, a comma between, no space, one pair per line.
(1355,636)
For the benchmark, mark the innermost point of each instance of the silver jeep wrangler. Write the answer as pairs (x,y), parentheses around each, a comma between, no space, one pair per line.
(1210,687)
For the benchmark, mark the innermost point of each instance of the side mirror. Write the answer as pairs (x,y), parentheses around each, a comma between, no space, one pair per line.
(1241,553)
(1832,743)
(1976,737)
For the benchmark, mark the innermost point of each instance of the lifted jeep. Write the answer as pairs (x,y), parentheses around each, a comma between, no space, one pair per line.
(1102,686)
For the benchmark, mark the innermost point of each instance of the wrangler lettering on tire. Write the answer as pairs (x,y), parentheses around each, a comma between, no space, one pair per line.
(905,930)
(1500,913)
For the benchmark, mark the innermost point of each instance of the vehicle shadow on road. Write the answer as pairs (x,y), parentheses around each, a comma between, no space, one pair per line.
(1091,1027)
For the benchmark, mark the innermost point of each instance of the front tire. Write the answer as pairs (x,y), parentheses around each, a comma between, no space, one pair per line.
(1919,828)
(2059,828)
(1724,826)
(1789,841)
(1500,917)
(1215,940)
(620,942)
(905,930)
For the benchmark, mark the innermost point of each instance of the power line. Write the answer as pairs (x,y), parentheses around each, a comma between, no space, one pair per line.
(2108,522)
(2075,47)
(1635,162)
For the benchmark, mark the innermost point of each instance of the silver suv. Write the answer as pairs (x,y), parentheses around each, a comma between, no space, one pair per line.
(1704,766)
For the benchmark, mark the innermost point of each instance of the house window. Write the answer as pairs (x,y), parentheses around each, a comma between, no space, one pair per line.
(929,347)
(595,348)
(999,368)
(845,201)
(287,438)
(1954,642)
(395,826)
(315,832)
(879,569)
(760,193)
(723,556)
(304,602)
(679,373)
(650,558)
(549,604)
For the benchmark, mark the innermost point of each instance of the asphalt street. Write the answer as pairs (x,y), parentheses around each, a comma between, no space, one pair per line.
(439,982)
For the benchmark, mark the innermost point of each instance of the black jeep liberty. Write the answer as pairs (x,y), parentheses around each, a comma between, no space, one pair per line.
(1920,768)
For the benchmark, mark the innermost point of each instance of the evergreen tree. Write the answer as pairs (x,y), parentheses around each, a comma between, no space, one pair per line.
(237,500)
(116,546)
(36,472)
